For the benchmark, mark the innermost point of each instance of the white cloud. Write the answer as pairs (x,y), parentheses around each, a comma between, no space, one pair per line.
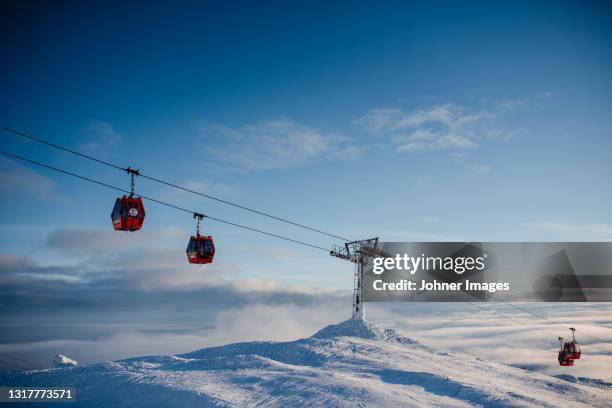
(142,261)
(102,139)
(277,144)
(380,121)
(283,143)
(85,242)
(276,322)
(446,127)
(255,322)
(455,140)
(122,344)
(454,326)
(517,339)
(19,181)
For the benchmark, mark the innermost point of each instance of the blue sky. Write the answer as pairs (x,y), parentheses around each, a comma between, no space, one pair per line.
(412,122)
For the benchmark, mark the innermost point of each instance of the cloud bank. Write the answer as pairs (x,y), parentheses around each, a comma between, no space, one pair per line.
(276,144)
(283,143)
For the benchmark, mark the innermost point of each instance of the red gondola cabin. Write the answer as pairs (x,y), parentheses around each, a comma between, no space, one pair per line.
(200,249)
(569,350)
(564,359)
(128,214)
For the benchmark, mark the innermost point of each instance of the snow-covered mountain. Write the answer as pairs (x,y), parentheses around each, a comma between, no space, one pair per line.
(61,361)
(353,363)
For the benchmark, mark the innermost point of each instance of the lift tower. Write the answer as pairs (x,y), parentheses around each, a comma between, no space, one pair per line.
(358,252)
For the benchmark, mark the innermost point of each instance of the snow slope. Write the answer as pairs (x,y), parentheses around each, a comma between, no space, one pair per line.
(353,363)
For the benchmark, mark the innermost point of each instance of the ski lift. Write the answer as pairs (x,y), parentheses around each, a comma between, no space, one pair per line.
(128,213)
(569,350)
(572,348)
(563,357)
(201,249)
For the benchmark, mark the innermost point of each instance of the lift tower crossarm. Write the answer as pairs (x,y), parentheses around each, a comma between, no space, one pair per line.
(358,252)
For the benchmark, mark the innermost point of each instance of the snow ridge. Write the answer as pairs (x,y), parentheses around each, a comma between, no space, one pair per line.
(362,329)
(353,363)
(61,360)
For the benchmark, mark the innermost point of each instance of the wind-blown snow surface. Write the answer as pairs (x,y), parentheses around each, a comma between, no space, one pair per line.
(353,363)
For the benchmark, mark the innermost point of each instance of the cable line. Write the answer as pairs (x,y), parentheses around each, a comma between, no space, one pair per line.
(36,139)
(21,359)
(583,333)
(167,183)
(243,207)
(512,318)
(14,366)
(491,311)
(161,202)
(548,333)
